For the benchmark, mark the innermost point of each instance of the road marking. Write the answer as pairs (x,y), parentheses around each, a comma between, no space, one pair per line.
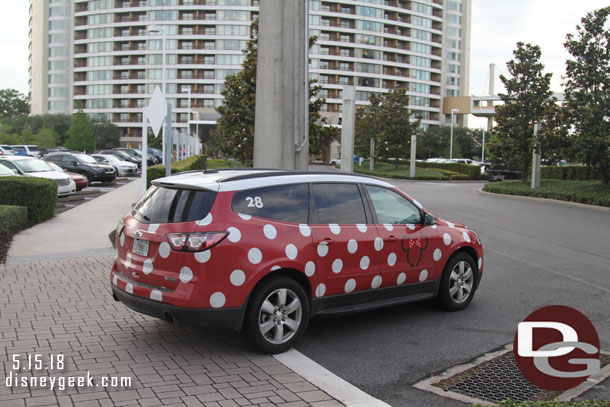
(88,198)
(558,273)
(327,381)
(70,205)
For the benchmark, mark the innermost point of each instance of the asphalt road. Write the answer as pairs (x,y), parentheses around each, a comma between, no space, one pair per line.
(536,254)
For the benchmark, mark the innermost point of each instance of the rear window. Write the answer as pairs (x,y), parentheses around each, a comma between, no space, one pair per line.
(286,203)
(173,205)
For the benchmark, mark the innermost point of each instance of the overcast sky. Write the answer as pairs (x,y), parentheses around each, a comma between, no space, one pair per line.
(497,25)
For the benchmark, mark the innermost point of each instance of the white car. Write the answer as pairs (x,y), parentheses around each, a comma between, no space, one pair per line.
(123,168)
(33,167)
(30,149)
(6,150)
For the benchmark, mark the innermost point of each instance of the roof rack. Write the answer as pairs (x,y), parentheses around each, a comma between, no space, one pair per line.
(217,170)
(281,173)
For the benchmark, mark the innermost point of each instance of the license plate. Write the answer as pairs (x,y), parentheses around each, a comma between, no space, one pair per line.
(140,247)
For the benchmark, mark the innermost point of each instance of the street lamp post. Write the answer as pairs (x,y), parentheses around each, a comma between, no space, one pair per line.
(453,111)
(160,29)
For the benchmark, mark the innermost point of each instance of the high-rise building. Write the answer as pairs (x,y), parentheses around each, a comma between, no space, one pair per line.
(106,56)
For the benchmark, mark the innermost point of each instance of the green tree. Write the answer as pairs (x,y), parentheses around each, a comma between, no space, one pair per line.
(80,134)
(27,135)
(45,138)
(13,104)
(528,100)
(387,120)
(106,134)
(587,91)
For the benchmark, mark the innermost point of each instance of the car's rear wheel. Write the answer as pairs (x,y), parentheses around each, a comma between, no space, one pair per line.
(458,282)
(277,315)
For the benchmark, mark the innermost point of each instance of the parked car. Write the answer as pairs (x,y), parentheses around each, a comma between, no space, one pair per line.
(136,154)
(263,251)
(33,167)
(4,171)
(30,149)
(84,165)
(123,168)
(335,161)
(80,180)
(123,156)
(19,150)
(158,154)
(6,150)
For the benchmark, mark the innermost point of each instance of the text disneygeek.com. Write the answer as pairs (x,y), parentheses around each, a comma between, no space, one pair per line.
(65,382)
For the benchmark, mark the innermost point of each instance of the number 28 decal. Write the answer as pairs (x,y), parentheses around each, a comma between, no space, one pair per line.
(254,202)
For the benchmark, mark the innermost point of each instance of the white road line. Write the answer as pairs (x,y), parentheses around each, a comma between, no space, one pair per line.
(327,381)
(69,205)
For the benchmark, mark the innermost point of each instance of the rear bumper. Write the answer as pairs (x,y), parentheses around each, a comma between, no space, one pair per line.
(227,317)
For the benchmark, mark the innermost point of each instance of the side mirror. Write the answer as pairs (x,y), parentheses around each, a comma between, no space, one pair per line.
(429,220)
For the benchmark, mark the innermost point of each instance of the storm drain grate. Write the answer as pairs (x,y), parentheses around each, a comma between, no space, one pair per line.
(492,379)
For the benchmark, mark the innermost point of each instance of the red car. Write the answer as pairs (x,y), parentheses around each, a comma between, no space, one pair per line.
(80,180)
(263,251)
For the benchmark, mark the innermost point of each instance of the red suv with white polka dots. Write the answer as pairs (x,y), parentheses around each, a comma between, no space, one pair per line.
(262,251)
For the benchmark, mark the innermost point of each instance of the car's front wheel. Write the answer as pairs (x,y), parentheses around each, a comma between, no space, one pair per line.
(277,315)
(458,282)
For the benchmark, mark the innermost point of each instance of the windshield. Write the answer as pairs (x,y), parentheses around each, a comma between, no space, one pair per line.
(138,151)
(84,158)
(33,148)
(111,158)
(55,167)
(33,166)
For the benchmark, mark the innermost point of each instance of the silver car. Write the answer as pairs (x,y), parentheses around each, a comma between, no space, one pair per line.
(123,168)
(33,167)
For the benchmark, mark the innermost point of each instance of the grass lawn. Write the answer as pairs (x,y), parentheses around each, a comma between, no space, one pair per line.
(389,171)
(587,192)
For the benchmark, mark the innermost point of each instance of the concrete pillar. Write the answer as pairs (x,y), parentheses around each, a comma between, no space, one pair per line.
(281,79)
(347,129)
(413,156)
(536,161)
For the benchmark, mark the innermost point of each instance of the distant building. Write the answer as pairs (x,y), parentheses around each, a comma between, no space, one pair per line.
(102,55)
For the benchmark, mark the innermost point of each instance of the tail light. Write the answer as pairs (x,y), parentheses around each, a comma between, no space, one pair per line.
(195,242)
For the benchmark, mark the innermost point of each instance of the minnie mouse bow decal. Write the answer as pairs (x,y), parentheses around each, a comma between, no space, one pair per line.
(414,247)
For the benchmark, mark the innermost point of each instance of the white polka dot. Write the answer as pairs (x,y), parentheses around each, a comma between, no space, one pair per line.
(378,244)
(217,300)
(437,254)
(129,288)
(147,267)
(122,239)
(376,282)
(275,268)
(480,263)
(255,256)
(402,277)
(115,258)
(128,260)
(388,227)
(446,239)
(365,262)
(152,228)
(320,290)
(164,250)
(310,268)
(423,276)
(205,221)
(305,230)
(334,228)
(391,259)
(350,285)
(352,246)
(234,234)
(410,226)
(204,256)
(115,280)
(238,277)
(270,232)
(451,225)
(322,249)
(337,266)
(361,227)
(434,226)
(244,216)
(466,236)
(156,295)
(186,274)
(291,251)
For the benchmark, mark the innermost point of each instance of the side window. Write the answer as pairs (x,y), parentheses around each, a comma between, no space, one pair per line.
(286,203)
(392,207)
(54,158)
(68,159)
(337,203)
(8,165)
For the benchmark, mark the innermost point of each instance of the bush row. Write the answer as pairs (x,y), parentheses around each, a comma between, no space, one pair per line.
(38,195)
(572,172)
(196,162)
(12,218)
(472,171)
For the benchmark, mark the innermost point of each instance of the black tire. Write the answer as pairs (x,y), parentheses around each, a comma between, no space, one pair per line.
(88,175)
(256,318)
(452,283)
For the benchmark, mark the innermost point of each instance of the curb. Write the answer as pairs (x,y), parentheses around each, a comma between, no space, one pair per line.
(533,198)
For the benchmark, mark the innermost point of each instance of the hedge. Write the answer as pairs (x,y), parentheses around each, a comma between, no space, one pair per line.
(571,173)
(12,218)
(472,171)
(38,195)
(196,162)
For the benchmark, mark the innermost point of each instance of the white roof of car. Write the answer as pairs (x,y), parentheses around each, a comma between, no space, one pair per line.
(235,180)
(17,157)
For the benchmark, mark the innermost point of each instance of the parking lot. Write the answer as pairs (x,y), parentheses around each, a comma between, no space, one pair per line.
(89,193)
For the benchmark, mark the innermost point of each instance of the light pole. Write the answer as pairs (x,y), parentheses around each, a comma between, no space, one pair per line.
(197,133)
(160,29)
(453,111)
(188,133)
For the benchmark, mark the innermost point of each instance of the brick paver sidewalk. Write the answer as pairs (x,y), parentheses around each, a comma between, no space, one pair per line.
(65,307)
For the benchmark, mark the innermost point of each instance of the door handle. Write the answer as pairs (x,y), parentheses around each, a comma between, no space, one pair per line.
(391,239)
(328,241)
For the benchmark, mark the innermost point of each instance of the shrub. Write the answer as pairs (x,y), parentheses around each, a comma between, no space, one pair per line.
(571,173)
(472,171)
(12,218)
(38,195)
(196,162)
(459,177)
